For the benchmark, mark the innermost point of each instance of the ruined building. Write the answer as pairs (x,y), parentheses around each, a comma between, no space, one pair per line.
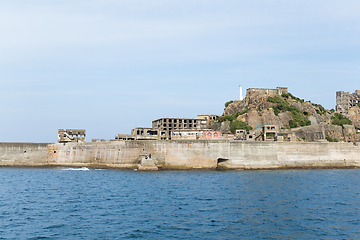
(266,91)
(71,135)
(345,100)
(170,124)
(175,128)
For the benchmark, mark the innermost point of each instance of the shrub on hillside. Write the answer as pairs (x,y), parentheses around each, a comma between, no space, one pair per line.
(299,118)
(231,117)
(292,124)
(340,120)
(237,124)
(330,139)
(228,103)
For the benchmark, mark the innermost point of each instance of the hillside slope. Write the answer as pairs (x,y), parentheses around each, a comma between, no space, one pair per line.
(292,113)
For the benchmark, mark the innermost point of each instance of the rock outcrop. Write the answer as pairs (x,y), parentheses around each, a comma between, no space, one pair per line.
(354,115)
(259,108)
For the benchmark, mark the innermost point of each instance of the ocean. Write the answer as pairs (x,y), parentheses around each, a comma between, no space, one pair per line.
(69,203)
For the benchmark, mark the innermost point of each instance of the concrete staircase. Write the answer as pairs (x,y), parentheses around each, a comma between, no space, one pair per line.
(147,164)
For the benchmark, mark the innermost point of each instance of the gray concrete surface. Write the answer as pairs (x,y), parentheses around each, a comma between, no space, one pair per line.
(184,154)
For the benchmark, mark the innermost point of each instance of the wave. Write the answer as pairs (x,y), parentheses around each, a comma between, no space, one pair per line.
(76,169)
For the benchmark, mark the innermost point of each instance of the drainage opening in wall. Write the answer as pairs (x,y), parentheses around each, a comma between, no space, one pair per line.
(219,160)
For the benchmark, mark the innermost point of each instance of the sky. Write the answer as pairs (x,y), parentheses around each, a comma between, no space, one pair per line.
(108,66)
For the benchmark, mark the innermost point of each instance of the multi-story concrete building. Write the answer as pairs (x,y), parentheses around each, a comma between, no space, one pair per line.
(345,100)
(170,124)
(206,120)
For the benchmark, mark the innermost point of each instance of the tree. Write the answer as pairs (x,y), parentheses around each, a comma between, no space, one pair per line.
(237,124)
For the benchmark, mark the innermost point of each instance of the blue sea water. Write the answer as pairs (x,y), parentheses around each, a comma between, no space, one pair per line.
(114,204)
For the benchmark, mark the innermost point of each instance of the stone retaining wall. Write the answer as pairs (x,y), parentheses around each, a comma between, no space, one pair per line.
(184,154)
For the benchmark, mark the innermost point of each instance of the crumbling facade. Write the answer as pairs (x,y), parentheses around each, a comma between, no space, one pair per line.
(71,135)
(206,120)
(267,91)
(170,124)
(144,134)
(345,100)
(202,134)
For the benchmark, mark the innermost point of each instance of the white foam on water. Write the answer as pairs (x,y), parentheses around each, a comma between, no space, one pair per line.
(76,169)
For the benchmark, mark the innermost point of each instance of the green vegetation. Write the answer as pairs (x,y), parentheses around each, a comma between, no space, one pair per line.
(330,139)
(292,124)
(320,109)
(289,95)
(228,103)
(275,99)
(270,135)
(332,110)
(299,118)
(340,120)
(237,124)
(358,105)
(231,117)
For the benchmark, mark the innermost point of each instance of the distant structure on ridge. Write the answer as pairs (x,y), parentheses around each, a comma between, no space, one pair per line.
(345,100)
(241,96)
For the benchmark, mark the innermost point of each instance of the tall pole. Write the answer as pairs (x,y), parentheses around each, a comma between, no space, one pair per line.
(241,96)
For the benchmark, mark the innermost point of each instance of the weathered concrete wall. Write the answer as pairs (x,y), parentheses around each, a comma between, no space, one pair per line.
(272,155)
(180,154)
(184,154)
(23,154)
(187,154)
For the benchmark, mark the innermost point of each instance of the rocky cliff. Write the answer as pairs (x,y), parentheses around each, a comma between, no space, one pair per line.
(306,120)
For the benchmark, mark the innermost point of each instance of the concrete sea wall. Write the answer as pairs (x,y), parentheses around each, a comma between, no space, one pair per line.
(23,154)
(184,154)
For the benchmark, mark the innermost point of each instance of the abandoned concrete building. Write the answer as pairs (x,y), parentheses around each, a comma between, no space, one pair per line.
(206,120)
(263,133)
(170,124)
(266,91)
(195,135)
(174,128)
(71,135)
(242,135)
(345,100)
(144,134)
(269,133)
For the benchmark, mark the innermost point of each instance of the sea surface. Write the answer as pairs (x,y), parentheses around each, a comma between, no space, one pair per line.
(116,204)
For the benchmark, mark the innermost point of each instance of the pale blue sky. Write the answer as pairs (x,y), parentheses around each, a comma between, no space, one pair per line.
(108,66)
